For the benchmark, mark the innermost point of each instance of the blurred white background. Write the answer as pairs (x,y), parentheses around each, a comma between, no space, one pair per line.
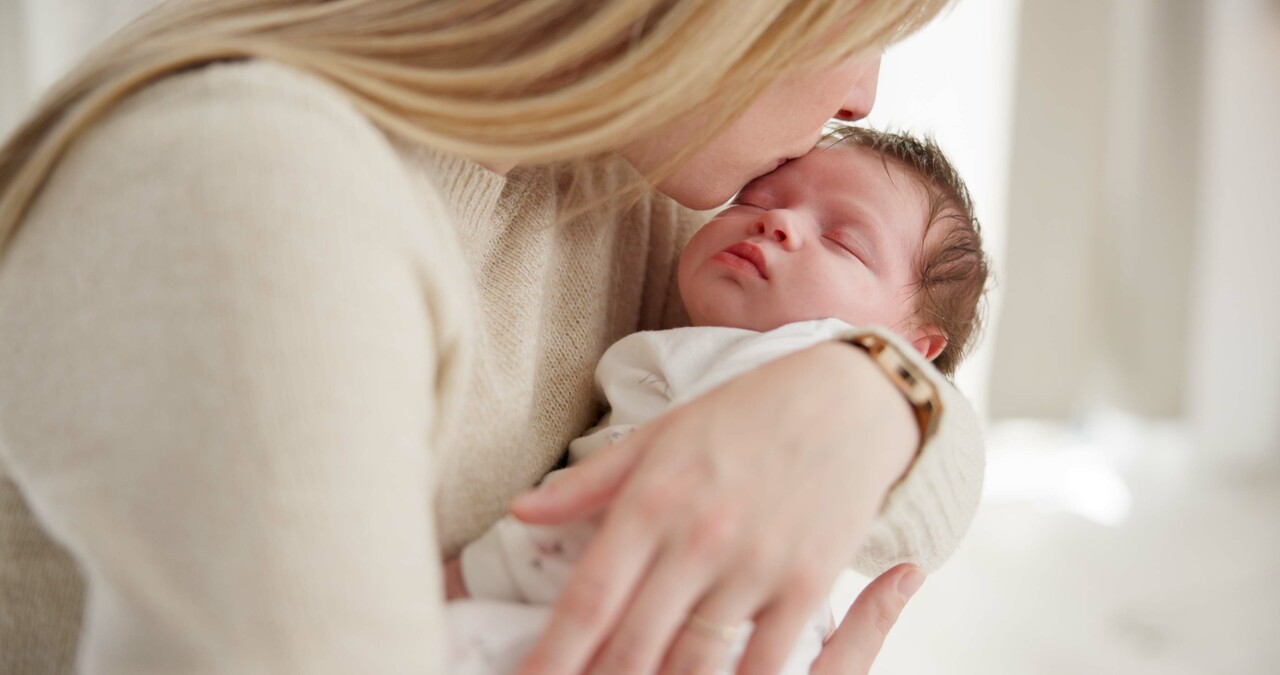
(1125,158)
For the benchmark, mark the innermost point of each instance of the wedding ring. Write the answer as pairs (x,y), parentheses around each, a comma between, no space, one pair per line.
(718,631)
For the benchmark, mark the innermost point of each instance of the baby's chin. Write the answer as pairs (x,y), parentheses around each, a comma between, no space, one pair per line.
(703,313)
(717,314)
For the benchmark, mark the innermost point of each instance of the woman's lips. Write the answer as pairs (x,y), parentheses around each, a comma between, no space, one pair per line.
(746,256)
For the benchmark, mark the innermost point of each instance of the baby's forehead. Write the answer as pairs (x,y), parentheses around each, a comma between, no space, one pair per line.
(845,168)
(848,152)
(848,157)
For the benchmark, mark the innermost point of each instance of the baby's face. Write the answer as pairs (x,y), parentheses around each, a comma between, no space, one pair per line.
(831,234)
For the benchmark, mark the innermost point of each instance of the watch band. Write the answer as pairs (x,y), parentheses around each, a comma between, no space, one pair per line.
(904,374)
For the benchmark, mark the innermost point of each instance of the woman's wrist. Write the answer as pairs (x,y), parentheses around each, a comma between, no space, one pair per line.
(861,385)
(921,393)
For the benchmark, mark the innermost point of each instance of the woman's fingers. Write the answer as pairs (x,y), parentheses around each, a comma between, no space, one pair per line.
(714,625)
(703,643)
(723,616)
(655,615)
(857,641)
(748,479)
(580,490)
(777,630)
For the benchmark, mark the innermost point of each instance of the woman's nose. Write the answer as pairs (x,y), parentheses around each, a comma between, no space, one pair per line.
(862,95)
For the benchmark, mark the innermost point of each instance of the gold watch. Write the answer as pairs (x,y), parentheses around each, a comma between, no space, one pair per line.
(904,374)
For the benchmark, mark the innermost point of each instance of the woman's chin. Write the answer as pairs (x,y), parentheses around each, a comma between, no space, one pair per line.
(700,195)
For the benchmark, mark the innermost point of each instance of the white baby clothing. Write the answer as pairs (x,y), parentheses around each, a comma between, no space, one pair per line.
(641,376)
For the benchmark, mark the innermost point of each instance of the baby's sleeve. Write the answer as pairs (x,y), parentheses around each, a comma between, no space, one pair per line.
(521,562)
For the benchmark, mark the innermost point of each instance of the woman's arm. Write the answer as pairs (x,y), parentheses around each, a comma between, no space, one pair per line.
(220,386)
(743,504)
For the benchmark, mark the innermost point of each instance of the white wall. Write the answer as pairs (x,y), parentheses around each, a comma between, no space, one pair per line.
(1103,198)
(41,39)
(1234,365)
(13,63)
(1142,269)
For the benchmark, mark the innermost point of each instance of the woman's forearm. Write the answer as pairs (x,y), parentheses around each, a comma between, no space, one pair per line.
(933,491)
(867,388)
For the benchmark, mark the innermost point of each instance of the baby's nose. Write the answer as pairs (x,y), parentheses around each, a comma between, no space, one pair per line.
(778,233)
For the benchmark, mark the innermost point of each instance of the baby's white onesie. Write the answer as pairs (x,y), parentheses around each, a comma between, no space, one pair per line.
(515,571)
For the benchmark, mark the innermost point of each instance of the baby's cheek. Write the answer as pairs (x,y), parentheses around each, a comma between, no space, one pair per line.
(826,298)
(847,302)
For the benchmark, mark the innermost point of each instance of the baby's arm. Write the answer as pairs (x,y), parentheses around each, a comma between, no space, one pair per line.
(519,562)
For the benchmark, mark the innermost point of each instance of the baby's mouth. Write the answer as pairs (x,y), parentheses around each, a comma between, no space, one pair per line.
(750,253)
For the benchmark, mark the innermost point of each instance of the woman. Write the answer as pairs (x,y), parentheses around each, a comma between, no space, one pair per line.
(281,332)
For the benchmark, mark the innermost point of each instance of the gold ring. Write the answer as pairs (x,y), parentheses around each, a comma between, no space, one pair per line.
(718,631)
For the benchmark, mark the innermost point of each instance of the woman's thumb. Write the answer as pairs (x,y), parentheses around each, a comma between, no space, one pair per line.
(580,490)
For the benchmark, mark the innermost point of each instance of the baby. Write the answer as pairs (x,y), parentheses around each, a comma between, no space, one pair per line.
(867,229)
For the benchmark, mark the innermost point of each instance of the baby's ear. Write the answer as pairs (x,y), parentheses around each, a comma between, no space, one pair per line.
(929,341)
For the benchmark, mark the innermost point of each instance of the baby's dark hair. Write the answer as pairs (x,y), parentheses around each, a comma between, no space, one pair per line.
(953,271)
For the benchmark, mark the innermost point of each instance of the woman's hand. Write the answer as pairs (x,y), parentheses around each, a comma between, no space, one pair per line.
(855,644)
(741,505)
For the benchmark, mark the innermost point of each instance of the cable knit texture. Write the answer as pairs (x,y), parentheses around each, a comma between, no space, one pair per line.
(247,341)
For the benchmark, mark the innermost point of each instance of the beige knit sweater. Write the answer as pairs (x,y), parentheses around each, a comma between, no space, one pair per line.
(247,340)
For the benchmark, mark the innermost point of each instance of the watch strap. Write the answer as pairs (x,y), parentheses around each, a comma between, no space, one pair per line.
(907,378)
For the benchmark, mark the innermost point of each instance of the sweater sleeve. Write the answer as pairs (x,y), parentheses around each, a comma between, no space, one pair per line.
(928,511)
(227,337)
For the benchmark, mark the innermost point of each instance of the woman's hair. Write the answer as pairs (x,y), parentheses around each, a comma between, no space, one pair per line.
(952,270)
(493,80)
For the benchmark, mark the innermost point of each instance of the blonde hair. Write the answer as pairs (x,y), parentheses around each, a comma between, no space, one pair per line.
(493,80)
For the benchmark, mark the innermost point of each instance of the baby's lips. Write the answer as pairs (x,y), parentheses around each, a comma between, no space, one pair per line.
(752,253)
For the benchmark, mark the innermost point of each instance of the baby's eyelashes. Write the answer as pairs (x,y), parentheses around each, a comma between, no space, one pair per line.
(846,246)
(835,240)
